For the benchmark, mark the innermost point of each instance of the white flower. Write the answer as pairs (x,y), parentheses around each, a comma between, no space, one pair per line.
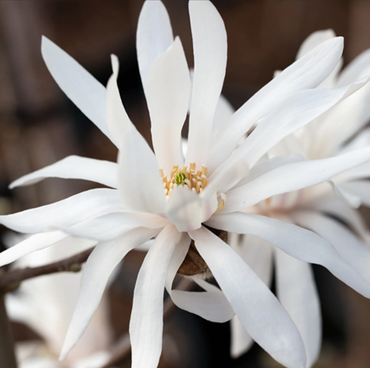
(46,304)
(332,134)
(146,204)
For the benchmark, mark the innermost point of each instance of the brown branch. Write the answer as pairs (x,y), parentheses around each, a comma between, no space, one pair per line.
(12,279)
(122,348)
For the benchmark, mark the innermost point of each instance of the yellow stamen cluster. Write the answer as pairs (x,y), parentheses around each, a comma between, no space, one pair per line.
(187,175)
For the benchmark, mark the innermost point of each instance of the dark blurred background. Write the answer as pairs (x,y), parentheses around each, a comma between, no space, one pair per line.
(39,125)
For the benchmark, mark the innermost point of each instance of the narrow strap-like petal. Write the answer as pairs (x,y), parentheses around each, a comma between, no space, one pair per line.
(307,72)
(210,55)
(291,177)
(256,307)
(314,40)
(153,37)
(351,249)
(96,272)
(297,293)
(300,243)
(79,85)
(167,94)
(74,167)
(140,183)
(146,323)
(31,244)
(65,213)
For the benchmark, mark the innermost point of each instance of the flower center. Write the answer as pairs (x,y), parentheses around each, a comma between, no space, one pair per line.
(195,180)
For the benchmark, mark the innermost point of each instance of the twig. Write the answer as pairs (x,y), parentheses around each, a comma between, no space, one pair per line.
(12,279)
(122,349)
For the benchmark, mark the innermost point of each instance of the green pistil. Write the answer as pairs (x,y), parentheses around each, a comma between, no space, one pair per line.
(180,178)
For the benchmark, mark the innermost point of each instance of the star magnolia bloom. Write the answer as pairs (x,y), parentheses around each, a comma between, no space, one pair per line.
(177,199)
(317,207)
(54,298)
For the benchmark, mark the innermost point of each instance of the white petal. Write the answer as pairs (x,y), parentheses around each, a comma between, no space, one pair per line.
(357,68)
(67,212)
(167,95)
(296,290)
(307,72)
(360,188)
(336,207)
(210,55)
(224,112)
(295,112)
(74,167)
(351,249)
(211,305)
(153,37)
(146,324)
(292,177)
(29,245)
(295,241)
(140,184)
(79,85)
(351,199)
(185,209)
(96,272)
(256,307)
(313,40)
(257,253)
(113,225)
(117,119)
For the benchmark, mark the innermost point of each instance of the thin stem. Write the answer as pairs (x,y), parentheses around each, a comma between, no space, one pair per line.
(12,279)
(7,355)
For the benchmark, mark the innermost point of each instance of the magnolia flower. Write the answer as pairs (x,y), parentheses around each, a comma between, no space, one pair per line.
(188,203)
(46,304)
(317,207)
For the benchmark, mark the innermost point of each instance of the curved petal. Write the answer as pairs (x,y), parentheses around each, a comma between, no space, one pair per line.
(146,323)
(314,40)
(74,167)
(351,249)
(211,304)
(296,290)
(359,188)
(79,85)
(224,112)
(307,72)
(257,253)
(291,177)
(140,184)
(65,213)
(295,241)
(153,37)
(357,68)
(256,307)
(118,121)
(294,113)
(113,225)
(210,55)
(167,95)
(96,272)
(29,245)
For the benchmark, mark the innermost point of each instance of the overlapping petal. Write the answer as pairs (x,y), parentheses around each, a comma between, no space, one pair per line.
(295,241)
(167,95)
(291,177)
(296,290)
(97,270)
(65,213)
(146,323)
(256,307)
